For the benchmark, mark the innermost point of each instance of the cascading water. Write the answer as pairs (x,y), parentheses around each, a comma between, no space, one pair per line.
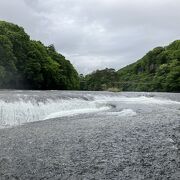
(19,107)
(22,110)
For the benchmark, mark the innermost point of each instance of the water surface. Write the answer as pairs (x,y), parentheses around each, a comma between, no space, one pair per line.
(89,135)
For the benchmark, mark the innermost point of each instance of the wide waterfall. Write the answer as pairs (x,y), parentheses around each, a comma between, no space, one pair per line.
(19,107)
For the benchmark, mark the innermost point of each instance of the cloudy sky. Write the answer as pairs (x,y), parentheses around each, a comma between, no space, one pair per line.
(94,34)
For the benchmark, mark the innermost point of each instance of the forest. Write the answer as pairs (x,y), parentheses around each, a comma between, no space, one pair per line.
(158,70)
(28,64)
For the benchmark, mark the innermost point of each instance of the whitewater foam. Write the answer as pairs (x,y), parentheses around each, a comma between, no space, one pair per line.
(20,112)
(19,107)
(124,112)
(76,112)
(136,100)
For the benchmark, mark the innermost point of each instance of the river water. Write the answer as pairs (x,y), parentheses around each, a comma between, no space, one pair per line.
(89,135)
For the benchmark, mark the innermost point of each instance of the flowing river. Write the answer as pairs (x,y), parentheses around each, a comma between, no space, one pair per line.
(89,135)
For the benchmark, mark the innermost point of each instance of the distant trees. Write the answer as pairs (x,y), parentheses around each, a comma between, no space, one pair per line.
(101,80)
(158,70)
(28,64)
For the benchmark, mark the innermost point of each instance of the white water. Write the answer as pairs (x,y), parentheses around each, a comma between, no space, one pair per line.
(124,112)
(137,100)
(76,112)
(19,112)
(37,106)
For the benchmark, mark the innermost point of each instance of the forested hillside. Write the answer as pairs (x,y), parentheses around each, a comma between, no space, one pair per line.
(99,80)
(28,64)
(158,70)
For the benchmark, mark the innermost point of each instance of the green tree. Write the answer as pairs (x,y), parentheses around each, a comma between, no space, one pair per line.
(28,64)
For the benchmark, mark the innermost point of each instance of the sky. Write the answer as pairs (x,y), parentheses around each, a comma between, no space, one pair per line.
(95,34)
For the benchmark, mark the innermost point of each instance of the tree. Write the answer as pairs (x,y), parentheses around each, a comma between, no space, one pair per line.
(28,64)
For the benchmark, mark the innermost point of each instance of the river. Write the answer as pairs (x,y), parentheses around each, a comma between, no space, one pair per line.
(89,135)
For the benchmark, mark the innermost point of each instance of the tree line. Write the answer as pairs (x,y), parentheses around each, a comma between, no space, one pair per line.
(158,70)
(28,64)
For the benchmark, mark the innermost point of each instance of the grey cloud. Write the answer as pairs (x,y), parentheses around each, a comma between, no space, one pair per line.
(97,33)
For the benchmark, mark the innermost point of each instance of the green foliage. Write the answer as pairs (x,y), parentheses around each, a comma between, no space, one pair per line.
(101,80)
(28,64)
(158,70)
